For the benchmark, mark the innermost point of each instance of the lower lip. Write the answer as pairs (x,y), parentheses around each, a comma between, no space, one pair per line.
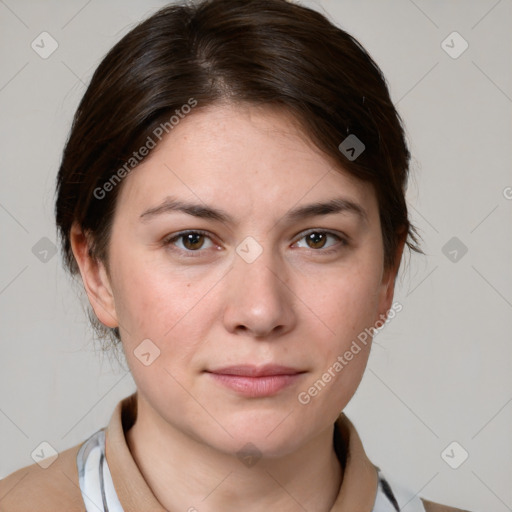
(256,386)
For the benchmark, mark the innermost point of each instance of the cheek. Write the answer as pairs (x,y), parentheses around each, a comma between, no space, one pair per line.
(159,308)
(347,308)
(351,301)
(342,353)
(148,303)
(167,306)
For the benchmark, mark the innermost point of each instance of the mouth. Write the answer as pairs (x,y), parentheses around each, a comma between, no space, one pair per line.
(256,381)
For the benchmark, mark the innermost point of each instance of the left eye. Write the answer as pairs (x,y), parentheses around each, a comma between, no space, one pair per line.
(317,239)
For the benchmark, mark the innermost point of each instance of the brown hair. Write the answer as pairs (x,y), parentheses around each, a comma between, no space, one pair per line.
(263,52)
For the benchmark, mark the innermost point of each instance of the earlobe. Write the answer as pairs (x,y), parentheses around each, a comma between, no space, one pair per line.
(95,279)
(389,278)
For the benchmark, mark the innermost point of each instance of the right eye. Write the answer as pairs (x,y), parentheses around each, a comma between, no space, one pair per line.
(191,241)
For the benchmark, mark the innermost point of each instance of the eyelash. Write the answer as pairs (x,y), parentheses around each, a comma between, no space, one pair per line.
(168,241)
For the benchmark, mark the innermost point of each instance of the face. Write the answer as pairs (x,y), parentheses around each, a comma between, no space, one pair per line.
(217,261)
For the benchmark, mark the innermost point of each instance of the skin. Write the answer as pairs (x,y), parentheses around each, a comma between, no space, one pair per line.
(295,305)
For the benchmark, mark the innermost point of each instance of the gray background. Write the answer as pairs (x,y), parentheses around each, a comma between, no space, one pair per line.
(440,372)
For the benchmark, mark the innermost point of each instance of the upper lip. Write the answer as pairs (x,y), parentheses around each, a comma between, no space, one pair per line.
(248,370)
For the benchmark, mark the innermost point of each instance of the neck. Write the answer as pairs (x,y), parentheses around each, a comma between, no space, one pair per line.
(185,474)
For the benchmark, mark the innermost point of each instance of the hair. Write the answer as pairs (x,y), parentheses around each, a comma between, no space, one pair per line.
(262,52)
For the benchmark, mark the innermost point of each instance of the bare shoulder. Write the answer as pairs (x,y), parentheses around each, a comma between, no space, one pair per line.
(35,488)
(430,506)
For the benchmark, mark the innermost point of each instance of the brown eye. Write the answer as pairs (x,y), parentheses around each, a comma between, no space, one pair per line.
(193,241)
(189,241)
(316,240)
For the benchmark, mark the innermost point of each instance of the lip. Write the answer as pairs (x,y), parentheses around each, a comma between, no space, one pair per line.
(250,370)
(256,381)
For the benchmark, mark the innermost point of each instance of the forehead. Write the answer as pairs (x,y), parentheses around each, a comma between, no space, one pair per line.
(250,159)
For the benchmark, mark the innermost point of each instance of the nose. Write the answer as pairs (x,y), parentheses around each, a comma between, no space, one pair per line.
(259,301)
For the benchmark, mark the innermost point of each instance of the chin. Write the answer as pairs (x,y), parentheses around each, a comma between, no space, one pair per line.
(274,433)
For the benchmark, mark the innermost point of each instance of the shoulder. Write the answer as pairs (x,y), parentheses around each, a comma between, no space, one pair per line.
(391,491)
(36,488)
(436,507)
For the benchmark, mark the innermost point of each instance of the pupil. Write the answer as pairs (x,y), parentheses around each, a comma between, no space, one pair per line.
(192,239)
(317,237)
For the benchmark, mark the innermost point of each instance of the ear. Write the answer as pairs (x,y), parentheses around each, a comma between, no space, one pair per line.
(95,279)
(389,278)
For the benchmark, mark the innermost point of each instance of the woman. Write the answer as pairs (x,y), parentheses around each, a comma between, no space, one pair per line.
(232,196)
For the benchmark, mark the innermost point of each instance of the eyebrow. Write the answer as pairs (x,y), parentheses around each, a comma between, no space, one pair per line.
(335,205)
